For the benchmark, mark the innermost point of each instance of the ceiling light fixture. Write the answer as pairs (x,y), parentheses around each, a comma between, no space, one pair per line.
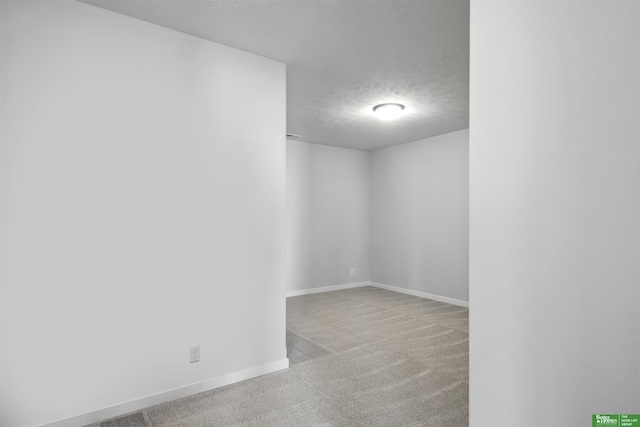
(390,111)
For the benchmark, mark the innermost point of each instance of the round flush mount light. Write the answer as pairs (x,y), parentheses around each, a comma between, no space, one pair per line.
(389,111)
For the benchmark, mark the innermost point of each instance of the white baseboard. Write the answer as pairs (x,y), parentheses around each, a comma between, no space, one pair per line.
(169,395)
(326,289)
(420,294)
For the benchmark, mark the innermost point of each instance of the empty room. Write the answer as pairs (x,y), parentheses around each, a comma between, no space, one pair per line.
(300,213)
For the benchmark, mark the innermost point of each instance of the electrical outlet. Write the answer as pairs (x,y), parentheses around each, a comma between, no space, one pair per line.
(353,271)
(194,354)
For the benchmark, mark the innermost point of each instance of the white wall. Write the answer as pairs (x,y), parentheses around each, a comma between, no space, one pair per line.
(555,211)
(143,209)
(327,215)
(420,216)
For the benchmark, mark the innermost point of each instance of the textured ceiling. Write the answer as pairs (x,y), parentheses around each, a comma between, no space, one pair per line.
(343,57)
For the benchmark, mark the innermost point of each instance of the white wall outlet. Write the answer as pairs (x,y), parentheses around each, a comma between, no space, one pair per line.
(194,354)
(353,271)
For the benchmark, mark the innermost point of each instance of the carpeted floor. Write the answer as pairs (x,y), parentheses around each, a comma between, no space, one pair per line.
(359,357)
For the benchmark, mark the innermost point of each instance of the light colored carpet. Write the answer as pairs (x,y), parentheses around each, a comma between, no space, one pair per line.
(359,357)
